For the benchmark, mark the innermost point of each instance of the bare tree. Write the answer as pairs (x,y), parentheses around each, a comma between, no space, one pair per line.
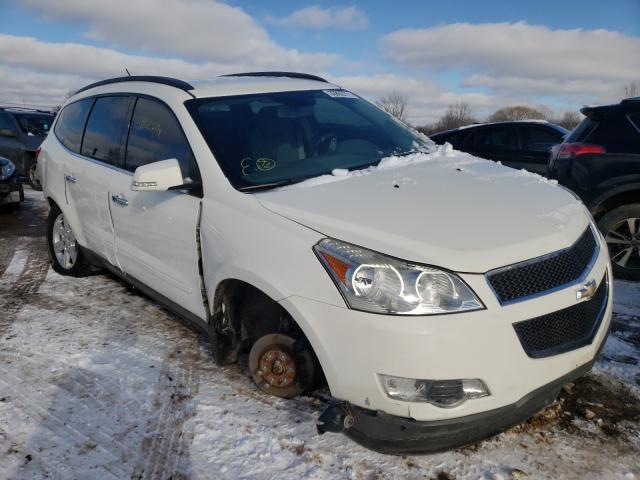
(569,120)
(457,115)
(517,112)
(395,103)
(630,90)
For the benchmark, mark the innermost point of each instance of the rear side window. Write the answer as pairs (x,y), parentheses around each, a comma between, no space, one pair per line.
(5,122)
(616,134)
(634,118)
(497,137)
(70,123)
(105,130)
(537,139)
(156,135)
(582,131)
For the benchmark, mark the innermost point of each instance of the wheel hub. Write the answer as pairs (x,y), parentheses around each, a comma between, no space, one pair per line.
(277,367)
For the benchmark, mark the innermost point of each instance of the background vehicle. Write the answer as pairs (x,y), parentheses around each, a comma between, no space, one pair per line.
(21,133)
(522,144)
(600,162)
(11,193)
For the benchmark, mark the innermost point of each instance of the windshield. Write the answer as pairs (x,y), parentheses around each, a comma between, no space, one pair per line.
(269,139)
(36,124)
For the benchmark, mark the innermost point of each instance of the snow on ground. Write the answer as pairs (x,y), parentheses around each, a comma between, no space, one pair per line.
(96,381)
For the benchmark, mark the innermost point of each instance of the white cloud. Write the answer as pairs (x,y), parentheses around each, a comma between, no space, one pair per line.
(427,100)
(195,29)
(315,17)
(524,59)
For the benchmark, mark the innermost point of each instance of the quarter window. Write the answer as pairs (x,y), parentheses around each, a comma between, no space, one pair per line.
(106,127)
(156,135)
(70,123)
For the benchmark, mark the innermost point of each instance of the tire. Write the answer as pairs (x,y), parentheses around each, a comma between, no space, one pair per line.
(621,229)
(65,255)
(31,174)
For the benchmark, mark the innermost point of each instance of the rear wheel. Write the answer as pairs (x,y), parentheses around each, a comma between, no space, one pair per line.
(621,228)
(64,252)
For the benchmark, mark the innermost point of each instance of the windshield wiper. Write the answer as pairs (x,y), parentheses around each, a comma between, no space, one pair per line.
(269,186)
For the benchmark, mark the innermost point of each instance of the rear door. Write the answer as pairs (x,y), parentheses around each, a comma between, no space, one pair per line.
(499,143)
(155,232)
(87,175)
(536,142)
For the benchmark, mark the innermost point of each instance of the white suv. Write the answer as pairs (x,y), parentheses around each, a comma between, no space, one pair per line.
(443,298)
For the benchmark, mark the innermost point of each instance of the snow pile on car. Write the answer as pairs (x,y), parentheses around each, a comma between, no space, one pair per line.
(443,155)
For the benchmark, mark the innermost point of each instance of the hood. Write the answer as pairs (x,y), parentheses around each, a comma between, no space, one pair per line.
(447,209)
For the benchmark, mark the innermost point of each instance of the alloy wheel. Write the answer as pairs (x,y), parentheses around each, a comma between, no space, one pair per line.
(65,246)
(623,240)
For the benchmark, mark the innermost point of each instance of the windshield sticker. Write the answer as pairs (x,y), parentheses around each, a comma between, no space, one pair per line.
(339,93)
(265,164)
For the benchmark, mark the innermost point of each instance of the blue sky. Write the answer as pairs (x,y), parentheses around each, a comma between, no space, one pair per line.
(486,53)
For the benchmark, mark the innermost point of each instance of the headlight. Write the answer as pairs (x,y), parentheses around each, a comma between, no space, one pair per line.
(373,282)
(7,169)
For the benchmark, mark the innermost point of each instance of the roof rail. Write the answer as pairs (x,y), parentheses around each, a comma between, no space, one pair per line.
(172,82)
(11,108)
(303,76)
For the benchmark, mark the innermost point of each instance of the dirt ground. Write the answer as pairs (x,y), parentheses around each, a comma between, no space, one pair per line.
(97,381)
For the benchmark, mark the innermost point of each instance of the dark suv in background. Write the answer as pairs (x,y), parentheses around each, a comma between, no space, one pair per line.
(519,144)
(600,162)
(21,133)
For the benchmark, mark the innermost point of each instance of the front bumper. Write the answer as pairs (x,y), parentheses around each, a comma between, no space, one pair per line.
(397,435)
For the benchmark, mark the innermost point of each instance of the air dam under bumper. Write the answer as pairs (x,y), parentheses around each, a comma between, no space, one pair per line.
(398,435)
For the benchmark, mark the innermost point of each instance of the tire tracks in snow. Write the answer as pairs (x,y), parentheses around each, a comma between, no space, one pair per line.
(7,249)
(21,290)
(165,449)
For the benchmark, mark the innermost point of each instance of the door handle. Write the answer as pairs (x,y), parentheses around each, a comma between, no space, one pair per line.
(71,179)
(120,200)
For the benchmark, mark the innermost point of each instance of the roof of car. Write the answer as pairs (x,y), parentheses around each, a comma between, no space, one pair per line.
(506,122)
(225,85)
(626,105)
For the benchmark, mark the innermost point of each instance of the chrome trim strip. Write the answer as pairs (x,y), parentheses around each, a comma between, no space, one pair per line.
(93,160)
(580,279)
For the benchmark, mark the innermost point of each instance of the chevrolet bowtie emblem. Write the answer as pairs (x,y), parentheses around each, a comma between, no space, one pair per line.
(588,290)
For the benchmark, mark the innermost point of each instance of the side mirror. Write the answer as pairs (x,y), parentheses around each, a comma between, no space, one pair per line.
(157,177)
(8,132)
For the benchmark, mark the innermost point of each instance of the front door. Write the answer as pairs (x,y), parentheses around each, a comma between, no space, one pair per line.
(155,232)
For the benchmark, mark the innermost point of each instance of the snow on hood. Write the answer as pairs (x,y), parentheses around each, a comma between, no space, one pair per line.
(444,208)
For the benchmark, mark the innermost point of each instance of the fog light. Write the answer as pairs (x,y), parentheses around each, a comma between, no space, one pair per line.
(442,393)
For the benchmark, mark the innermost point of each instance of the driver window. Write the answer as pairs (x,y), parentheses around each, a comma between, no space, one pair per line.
(155,135)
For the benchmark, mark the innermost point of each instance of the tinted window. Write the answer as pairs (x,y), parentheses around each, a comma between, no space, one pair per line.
(616,134)
(538,139)
(36,124)
(582,131)
(497,137)
(457,139)
(634,118)
(156,135)
(70,123)
(5,121)
(105,130)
